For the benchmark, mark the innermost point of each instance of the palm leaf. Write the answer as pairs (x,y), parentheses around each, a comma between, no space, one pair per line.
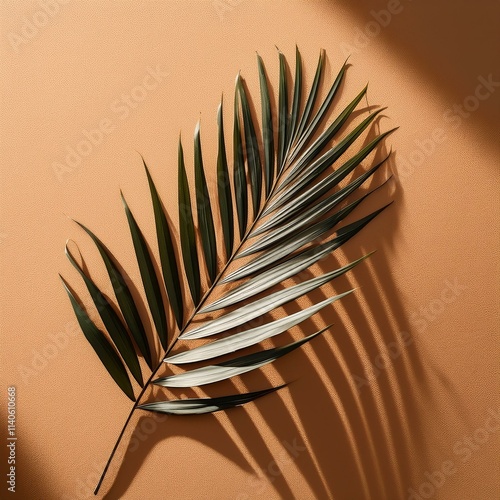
(262,306)
(308,133)
(282,113)
(224,189)
(297,95)
(187,231)
(111,321)
(148,275)
(204,208)
(233,367)
(197,406)
(299,205)
(240,182)
(251,149)
(267,127)
(311,100)
(167,253)
(124,298)
(249,337)
(101,345)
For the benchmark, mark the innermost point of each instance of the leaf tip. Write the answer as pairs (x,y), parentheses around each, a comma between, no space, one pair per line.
(66,249)
(65,283)
(124,202)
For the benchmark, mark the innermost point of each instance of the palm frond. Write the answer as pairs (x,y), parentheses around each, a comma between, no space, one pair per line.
(124,298)
(204,208)
(167,254)
(224,189)
(197,406)
(102,346)
(298,205)
(233,367)
(249,337)
(148,275)
(240,182)
(187,231)
(112,322)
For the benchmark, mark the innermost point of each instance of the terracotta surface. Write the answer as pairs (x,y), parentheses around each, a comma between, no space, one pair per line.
(433,282)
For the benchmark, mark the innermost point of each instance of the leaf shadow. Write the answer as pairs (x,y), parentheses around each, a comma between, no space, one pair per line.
(149,430)
(432,39)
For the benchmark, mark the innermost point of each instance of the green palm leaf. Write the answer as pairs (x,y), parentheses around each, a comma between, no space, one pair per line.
(311,100)
(198,406)
(187,231)
(224,189)
(232,367)
(124,298)
(167,253)
(283,126)
(300,201)
(148,275)
(250,337)
(101,345)
(240,181)
(267,127)
(297,95)
(251,149)
(262,306)
(204,208)
(111,321)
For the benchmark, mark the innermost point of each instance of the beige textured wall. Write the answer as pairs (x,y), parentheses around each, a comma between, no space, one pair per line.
(414,416)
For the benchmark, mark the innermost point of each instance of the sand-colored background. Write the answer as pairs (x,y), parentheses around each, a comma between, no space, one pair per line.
(412,417)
